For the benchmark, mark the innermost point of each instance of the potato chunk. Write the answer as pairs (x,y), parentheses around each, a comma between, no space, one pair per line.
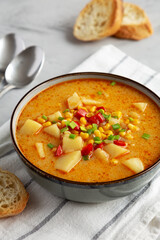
(101,154)
(70,145)
(30,127)
(141,106)
(135,164)
(55,116)
(88,101)
(53,130)
(115,151)
(40,149)
(66,162)
(74,101)
(113,121)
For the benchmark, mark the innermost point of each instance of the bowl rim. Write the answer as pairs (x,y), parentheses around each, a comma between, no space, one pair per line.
(78,183)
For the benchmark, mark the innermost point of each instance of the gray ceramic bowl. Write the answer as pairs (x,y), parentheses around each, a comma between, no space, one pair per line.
(77,191)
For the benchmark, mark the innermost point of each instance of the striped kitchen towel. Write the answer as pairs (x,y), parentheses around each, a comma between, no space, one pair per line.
(135,217)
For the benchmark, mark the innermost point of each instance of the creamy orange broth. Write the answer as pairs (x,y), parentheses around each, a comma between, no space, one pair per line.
(120,98)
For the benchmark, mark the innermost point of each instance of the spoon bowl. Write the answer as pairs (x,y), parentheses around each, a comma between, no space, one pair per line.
(23,68)
(10,46)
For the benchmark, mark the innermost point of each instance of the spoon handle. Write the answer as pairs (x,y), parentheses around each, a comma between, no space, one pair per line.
(5,89)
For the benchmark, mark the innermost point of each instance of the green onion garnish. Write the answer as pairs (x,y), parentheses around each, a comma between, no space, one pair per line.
(111,137)
(97,140)
(83,129)
(101,111)
(95,126)
(60,118)
(130,119)
(116,126)
(72,125)
(114,116)
(50,145)
(113,83)
(99,93)
(122,130)
(85,157)
(53,122)
(106,116)
(67,123)
(89,131)
(145,136)
(66,110)
(72,136)
(116,137)
(64,129)
(44,117)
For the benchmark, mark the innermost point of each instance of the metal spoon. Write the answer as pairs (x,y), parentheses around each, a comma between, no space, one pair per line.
(23,68)
(10,46)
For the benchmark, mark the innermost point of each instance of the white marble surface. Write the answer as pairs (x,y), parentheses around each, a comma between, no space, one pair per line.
(49,24)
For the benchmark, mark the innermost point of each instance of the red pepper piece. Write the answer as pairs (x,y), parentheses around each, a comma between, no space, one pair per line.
(93,119)
(119,143)
(59,151)
(81,113)
(87,149)
(98,108)
(101,145)
(77,128)
(100,117)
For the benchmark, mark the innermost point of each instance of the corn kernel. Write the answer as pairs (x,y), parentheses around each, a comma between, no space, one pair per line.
(83,120)
(97,133)
(114,161)
(107,126)
(84,135)
(127,121)
(54,149)
(47,124)
(63,122)
(89,114)
(72,110)
(122,134)
(129,136)
(75,132)
(58,124)
(103,136)
(109,132)
(80,107)
(91,141)
(133,127)
(101,129)
(89,126)
(68,115)
(69,119)
(118,114)
(93,109)
(136,121)
(40,120)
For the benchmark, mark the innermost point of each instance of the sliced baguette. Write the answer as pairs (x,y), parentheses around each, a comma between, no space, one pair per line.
(13,196)
(99,19)
(135,24)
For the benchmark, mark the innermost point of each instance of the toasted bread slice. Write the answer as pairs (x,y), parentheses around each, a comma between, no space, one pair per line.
(99,19)
(13,196)
(135,24)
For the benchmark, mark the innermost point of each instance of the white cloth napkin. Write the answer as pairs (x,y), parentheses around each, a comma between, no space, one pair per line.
(48,217)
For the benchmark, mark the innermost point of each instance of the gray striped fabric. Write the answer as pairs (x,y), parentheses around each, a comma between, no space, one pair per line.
(48,217)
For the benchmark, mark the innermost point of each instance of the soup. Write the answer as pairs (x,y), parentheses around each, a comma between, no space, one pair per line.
(90,130)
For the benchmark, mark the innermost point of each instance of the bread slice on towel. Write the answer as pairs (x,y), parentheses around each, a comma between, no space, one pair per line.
(135,24)
(13,196)
(99,19)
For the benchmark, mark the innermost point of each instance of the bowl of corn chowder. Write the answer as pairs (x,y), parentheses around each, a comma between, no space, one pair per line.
(89,137)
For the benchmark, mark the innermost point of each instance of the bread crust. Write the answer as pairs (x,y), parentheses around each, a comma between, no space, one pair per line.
(108,25)
(17,193)
(135,31)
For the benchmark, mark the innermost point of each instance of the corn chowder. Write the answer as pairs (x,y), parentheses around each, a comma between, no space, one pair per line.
(90,131)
